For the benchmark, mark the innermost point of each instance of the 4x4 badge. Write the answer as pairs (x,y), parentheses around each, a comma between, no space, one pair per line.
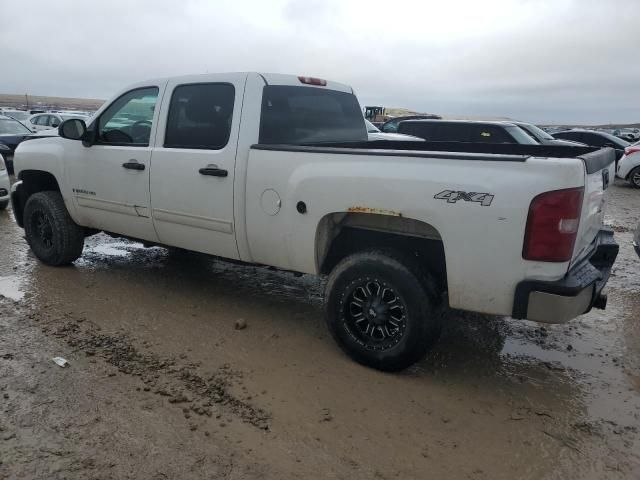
(452,196)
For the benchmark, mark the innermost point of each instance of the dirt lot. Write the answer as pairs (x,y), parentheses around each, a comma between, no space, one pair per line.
(161,384)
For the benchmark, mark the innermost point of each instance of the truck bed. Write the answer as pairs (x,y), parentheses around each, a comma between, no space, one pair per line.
(594,158)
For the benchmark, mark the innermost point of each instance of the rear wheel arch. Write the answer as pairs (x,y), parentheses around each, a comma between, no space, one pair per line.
(341,234)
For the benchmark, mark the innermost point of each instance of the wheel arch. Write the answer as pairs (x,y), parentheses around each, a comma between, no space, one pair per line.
(30,182)
(342,233)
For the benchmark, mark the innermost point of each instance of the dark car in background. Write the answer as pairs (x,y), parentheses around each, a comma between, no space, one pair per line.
(542,137)
(595,139)
(12,132)
(391,126)
(466,131)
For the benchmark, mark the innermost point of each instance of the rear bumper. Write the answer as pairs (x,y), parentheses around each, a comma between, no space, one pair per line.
(575,294)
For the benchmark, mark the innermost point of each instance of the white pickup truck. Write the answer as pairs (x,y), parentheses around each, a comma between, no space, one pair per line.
(276,170)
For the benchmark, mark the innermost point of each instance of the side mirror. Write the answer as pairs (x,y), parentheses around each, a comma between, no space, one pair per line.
(55,125)
(611,145)
(72,129)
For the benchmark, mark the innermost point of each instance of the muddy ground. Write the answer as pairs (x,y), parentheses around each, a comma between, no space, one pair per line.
(160,383)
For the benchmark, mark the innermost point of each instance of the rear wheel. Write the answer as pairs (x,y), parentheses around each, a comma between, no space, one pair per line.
(4,204)
(634,177)
(51,233)
(381,309)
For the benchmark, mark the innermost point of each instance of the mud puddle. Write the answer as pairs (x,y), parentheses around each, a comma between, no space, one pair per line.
(155,350)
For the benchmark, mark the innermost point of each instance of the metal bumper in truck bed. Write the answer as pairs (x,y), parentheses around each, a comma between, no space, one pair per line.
(575,294)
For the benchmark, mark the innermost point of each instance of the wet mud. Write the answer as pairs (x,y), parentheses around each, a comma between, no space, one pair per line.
(183,366)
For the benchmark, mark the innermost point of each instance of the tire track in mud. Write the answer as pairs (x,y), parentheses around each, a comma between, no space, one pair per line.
(183,383)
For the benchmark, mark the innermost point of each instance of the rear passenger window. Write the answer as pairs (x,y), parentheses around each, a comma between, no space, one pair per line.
(593,140)
(200,116)
(417,129)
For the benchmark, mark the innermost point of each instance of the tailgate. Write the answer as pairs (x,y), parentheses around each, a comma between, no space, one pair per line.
(599,174)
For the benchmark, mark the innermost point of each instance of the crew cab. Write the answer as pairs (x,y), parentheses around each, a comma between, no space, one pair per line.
(277,170)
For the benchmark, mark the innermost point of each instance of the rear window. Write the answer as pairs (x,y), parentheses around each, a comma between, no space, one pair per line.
(569,135)
(521,136)
(298,115)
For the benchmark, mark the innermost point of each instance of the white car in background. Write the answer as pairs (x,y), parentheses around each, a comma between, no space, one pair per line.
(629,165)
(5,185)
(374,133)
(46,121)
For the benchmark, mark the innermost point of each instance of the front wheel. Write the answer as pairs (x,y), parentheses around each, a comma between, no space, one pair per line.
(381,309)
(634,177)
(51,233)
(4,204)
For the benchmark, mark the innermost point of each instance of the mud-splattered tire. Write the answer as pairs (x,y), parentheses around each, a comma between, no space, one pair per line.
(634,177)
(4,204)
(51,233)
(381,309)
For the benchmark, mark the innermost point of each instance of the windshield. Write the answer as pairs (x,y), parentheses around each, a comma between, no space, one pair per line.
(298,115)
(521,136)
(615,140)
(537,132)
(9,126)
(18,115)
(371,128)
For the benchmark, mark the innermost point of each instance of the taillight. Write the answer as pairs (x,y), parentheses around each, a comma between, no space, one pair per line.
(552,225)
(632,149)
(313,81)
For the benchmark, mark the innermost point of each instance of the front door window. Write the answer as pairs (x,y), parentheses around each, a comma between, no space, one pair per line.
(129,119)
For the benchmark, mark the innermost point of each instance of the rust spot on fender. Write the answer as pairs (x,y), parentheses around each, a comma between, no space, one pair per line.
(378,211)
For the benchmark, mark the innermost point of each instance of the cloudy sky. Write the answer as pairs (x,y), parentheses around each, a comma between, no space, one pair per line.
(536,60)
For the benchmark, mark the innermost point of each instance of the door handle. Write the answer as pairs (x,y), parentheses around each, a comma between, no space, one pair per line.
(133,165)
(213,171)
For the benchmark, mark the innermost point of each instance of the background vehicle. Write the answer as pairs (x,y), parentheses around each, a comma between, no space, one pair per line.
(278,170)
(542,137)
(595,139)
(5,184)
(629,165)
(19,115)
(375,134)
(636,240)
(12,132)
(391,126)
(46,121)
(466,131)
(625,134)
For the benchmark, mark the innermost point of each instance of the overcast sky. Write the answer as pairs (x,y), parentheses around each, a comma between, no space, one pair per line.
(536,60)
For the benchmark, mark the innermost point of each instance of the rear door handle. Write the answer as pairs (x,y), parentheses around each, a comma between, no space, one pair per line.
(213,171)
(133,165)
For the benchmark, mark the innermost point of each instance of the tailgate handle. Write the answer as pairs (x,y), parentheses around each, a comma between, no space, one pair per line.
(133,165)
(213,171)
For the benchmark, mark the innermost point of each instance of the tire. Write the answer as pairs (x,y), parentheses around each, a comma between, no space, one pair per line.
(4,204)
(634,177)
(51,233)
(375,280)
